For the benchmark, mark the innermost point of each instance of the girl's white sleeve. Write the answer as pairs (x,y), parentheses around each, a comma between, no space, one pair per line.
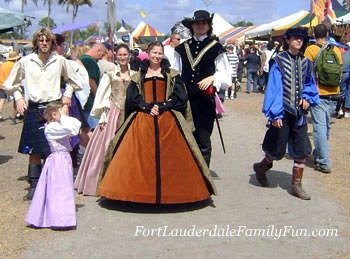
(68,126)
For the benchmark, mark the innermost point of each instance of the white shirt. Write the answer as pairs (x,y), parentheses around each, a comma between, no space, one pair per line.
(268,54)
(223,70)
(43,81)
(169,54)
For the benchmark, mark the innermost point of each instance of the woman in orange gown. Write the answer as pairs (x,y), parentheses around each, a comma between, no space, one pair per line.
(154,157)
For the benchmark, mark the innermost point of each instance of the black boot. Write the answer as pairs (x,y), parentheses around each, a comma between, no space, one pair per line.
(297,189)
(260,171)
(204,143)
(34,172)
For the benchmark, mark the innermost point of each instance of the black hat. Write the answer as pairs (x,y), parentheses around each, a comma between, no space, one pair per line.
(298,32)
(199,15)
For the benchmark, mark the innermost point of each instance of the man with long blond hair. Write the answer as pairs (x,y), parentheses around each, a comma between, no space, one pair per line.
(42,71)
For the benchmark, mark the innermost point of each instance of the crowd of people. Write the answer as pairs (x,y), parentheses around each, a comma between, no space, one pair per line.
(138,127)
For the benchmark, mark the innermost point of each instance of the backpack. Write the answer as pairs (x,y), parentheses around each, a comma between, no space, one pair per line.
(327,66)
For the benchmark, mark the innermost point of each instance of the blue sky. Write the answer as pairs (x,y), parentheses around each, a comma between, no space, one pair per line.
(163,14)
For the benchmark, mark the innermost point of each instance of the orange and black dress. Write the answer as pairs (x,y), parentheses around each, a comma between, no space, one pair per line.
(155,159)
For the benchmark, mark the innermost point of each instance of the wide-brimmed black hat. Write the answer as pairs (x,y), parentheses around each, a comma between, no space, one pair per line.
(297,32)
(199,15)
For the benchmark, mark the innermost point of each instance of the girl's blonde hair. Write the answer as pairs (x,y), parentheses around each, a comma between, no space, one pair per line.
(52,107)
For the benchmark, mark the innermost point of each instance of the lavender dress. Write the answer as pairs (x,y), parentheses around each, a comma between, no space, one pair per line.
(53,202)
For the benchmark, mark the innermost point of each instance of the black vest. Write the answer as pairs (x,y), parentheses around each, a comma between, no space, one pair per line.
(205,67)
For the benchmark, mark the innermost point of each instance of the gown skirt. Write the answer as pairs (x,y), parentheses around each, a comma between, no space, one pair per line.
(90,168)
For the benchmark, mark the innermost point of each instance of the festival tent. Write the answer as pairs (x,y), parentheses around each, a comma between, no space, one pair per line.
(10,19)
(312,21)
(147,31)
(123,36)
(138,28)
(147,34)
(220,25)
(345,19)
(265,30)
(235,34)
(309,20)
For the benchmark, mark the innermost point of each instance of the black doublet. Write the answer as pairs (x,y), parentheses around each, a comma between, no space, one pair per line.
(201,106)
(206,66)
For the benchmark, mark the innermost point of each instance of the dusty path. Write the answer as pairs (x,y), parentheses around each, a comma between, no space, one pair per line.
(107,230)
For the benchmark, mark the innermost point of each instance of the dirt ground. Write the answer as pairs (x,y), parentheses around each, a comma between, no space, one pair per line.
(15,237)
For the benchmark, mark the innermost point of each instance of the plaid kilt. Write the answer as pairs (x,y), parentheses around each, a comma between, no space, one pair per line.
(33,140)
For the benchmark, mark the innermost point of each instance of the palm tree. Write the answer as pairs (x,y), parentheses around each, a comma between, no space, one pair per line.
(24,2)
(48,2)
(75,4)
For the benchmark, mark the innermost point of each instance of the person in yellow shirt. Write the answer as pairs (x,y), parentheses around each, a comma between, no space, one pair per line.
(5,70)
(321,114)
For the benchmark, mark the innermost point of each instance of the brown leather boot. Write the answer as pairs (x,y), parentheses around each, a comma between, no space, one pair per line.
(297,189)
(260,171)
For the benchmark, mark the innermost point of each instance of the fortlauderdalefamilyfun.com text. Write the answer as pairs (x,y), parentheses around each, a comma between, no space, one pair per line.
(234,231)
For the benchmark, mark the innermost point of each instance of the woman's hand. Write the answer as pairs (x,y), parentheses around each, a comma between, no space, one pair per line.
(206,82)
(154,110)
(277,123)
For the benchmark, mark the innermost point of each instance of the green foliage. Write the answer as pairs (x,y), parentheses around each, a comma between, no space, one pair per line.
(47,23)
(117,27)
(242,23)
(82,35)
(75,5)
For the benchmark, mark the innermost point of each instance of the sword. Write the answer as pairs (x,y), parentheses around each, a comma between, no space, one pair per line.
(210,91)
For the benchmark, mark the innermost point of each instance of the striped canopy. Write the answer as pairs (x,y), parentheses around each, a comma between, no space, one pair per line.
(233,35)
(307,21)
(147,31)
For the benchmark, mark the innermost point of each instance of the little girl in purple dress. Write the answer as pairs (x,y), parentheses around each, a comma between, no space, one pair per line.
(53,204)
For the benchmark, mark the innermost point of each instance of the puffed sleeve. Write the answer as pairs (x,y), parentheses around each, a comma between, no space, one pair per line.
(102,102)
(68,126)
(273,101)
(12,85)
(71,77)
(310,91)
(223,72)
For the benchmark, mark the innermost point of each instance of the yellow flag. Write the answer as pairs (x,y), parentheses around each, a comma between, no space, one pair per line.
(318,8)
(142,13)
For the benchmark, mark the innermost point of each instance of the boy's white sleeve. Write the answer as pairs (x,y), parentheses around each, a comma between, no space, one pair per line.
(223,72)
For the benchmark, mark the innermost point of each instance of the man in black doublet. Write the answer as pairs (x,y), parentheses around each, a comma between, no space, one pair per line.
(198,65)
